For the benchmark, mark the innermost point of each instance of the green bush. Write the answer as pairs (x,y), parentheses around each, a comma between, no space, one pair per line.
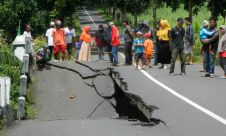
(14,73)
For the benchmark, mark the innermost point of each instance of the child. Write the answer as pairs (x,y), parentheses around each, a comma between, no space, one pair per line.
(138,49)
(78,45)
(148,49)
(204,33)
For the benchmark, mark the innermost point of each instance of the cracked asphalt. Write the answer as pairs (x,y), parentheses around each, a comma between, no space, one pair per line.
(61,116)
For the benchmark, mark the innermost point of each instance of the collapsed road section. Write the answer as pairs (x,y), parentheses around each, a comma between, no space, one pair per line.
(109,85)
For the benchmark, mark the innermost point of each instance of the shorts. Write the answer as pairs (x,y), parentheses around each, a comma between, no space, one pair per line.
(69,48)
(148,56)
(188,48)
(138,56)
(59,48)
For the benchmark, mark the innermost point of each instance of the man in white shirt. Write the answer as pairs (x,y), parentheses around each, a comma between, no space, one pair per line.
(28,41)
(49,38)
(70,35)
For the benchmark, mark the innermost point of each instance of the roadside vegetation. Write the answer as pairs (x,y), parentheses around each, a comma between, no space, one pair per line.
(166,12)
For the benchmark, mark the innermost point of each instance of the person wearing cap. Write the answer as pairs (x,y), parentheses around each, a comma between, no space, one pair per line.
(148,49)
(163,41)
(115,42)
(70,39)
(138,44)
(42,57)
(49,38)
(222,50)
(59,41)
(177,46)
(128,38)
(189,40)
(108,38)
(100,42)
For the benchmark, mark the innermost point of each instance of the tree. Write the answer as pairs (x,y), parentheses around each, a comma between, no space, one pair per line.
(37,13)
(217,7)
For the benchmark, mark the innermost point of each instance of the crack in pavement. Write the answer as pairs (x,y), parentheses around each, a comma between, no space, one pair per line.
(127,105)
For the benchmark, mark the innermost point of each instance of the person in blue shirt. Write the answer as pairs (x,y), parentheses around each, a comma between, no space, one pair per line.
(77,46)
(138,44)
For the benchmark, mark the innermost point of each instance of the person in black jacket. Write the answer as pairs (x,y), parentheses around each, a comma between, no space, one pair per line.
(107,37)
(128,38)
(177,46)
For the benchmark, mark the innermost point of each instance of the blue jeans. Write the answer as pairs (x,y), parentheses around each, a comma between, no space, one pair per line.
(101,52)
(115,55)
(209,62)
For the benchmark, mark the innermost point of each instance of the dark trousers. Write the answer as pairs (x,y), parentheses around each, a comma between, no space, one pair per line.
(156,55)
(175,53)
(128,53)
(42,62)
(51,51)
(223,64)
(109,50)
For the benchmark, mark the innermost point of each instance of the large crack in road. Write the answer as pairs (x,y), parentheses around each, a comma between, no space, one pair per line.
(109,85)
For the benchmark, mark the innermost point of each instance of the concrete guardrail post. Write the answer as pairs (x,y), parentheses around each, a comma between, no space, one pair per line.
(23,85)
(21,108)
(25,68)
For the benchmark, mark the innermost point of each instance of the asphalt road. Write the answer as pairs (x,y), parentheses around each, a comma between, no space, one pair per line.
(189,105)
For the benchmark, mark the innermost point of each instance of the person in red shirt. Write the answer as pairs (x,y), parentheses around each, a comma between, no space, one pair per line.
(222,50)
(115,41)
(59,37)
(100,42)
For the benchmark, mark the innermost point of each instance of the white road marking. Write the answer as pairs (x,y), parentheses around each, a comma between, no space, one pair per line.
(90,17)
(185,99)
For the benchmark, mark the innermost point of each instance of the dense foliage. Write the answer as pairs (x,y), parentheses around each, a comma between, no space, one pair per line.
(37,13)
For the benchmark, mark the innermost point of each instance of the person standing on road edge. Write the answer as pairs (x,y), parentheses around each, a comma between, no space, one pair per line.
(210,55)
(29,44)
(156,42)
(128,38)
(49,38)
(148,49)
(177,46)
(189,40)
(108,38)
(77,46)
(163,35)
(85,51)
(59,40)
(138,44)
(222,50)
(115,43)
(70,38)
(100,42)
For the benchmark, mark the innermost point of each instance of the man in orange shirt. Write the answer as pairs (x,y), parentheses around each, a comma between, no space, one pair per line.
(59,41)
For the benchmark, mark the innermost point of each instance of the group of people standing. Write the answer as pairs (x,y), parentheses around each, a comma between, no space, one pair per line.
(164,44)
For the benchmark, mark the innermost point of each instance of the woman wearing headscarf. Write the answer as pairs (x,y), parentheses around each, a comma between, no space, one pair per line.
(85,51)
(163,35)
(222,49)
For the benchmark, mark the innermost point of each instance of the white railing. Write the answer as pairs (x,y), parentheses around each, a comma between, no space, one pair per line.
(5,84)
